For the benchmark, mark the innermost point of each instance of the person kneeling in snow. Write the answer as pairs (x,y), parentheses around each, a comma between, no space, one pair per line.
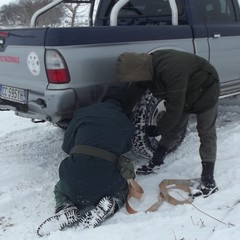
(91,187)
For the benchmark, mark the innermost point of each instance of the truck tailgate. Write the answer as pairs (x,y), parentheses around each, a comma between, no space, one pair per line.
(22,60)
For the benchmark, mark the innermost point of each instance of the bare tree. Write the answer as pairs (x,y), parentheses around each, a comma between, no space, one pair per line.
(76,13)
(20,13)
(8,14)
(68,14)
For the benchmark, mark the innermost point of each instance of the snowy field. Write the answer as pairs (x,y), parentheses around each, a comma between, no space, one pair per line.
(29,158)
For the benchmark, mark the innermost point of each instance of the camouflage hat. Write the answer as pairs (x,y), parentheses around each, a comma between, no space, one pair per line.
(133,67)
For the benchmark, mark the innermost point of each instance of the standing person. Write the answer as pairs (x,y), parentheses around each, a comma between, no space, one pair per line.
(188,84)
(91,187)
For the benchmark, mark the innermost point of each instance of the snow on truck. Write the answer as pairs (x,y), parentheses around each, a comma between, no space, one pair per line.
(46,73)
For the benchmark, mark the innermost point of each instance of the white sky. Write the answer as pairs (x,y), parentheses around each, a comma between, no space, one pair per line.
(3,2)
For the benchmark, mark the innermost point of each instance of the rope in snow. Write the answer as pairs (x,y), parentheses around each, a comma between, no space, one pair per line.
(227,224)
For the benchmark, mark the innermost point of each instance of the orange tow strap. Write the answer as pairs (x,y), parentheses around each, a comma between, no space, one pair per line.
(136,191)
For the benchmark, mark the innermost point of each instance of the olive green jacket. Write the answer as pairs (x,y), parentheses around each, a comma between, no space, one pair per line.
(187,82)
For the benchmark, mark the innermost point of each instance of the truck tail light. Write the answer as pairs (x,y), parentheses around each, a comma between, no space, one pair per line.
(4,34)
(56,67)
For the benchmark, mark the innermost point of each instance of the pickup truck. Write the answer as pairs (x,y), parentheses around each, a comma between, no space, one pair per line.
(46,73)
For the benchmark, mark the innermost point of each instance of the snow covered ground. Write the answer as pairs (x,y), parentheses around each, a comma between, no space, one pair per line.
(29,158)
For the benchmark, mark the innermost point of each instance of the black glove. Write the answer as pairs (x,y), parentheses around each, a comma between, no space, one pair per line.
(157,160)
(152,131)
(146,169)
(159,155)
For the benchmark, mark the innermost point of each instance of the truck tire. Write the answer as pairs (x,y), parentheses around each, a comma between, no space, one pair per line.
(148,111)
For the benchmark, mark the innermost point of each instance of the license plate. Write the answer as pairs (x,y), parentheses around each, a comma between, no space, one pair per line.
(14,94)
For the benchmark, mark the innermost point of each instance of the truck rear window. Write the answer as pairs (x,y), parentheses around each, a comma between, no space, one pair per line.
(137,8)
(141,12)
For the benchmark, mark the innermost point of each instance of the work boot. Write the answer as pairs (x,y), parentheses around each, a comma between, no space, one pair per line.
(157,160)
(206,188)
(207,185)
(105,208)
(67,217)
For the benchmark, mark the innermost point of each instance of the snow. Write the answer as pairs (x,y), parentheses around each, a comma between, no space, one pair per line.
(31,153)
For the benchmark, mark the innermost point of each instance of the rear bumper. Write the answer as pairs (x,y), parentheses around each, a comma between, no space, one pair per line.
(53,105)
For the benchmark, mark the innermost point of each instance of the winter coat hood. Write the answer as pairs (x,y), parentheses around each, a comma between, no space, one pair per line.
(133,67)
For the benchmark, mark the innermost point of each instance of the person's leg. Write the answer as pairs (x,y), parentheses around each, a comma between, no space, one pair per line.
(207,133)
(87,216)
(206,126)
(62,201)
(105,208)
(165,145)
(120,198)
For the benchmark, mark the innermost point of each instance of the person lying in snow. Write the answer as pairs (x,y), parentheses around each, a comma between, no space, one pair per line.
(91,187)
(188,84)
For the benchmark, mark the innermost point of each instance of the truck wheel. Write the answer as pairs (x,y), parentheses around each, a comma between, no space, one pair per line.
(148,111)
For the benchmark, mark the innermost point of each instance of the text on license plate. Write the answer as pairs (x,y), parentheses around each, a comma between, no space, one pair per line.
(14,94)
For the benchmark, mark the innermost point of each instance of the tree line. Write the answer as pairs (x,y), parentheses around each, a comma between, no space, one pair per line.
(19,13)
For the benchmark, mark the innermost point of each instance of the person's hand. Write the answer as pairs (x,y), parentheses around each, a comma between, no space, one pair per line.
(152,131)
(146,169)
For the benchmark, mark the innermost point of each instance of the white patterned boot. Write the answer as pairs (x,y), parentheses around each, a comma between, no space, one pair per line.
(67,217)
(96,216)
